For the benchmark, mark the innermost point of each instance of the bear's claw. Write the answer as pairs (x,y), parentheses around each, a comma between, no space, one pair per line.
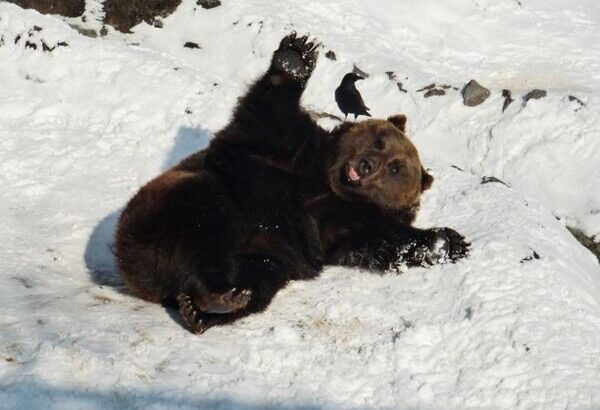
(451,246)
(190,315)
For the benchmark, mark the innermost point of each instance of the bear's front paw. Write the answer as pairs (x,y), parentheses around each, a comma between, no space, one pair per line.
(296,57)
(447,246)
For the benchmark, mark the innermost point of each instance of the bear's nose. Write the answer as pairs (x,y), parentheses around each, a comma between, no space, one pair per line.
(365,167)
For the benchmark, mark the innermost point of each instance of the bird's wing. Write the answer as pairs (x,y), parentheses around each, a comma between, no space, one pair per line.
(359,100)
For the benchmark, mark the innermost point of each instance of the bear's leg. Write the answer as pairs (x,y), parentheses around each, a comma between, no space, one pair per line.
(271,107)
(260,277)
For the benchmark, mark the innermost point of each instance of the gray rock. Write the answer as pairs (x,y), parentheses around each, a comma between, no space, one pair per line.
(589,242)
(330,55)
(474,94)
(88,32)
(535,94)
(360,72)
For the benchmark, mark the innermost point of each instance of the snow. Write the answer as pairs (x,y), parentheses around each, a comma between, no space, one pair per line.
(83,126)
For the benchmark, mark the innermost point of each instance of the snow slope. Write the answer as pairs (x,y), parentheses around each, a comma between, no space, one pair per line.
(516,325)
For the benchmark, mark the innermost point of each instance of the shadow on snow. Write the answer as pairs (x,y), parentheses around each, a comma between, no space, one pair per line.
(99,251)
(32,394)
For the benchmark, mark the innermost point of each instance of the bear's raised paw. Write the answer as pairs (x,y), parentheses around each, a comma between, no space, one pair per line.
(296,57)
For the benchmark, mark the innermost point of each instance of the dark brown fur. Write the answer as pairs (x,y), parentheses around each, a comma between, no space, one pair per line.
(274,198)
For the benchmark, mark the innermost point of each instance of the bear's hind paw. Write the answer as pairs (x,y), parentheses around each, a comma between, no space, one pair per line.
(190,315)
(228,302)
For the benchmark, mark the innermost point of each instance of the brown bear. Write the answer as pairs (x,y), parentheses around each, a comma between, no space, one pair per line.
(274,198)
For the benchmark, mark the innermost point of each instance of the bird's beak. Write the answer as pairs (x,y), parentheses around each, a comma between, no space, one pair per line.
(358,77)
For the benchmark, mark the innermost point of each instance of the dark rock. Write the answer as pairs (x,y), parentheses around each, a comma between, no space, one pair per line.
(123,15)
(34,79)
(487,180)
(157,23)
(29,44)
(360,72)
(208,4)
(533,256)
(330,55)
(427,87)
(435,91)
(457,167)
(188,110)
(474,94)
(191,44)
(581,103)
(392,76)
(535,94)
(586,241)
(507,99)
(49,49)
(446,86)
(67,8)
(573,98)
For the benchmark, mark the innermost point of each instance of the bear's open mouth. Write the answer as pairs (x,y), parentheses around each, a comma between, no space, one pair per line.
(350,176)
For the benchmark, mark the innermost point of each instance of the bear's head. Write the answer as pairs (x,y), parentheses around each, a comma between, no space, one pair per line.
(374,161)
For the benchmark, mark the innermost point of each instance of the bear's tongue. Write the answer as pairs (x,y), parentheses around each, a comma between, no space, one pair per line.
(353,175)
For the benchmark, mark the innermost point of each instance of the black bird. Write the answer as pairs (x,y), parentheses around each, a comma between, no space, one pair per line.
(348,98)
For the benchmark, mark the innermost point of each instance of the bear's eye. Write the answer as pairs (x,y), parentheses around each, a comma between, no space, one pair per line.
(395,167)
(379,144)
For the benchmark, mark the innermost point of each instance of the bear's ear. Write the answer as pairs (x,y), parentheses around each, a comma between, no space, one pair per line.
(399,121)
(426,180)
